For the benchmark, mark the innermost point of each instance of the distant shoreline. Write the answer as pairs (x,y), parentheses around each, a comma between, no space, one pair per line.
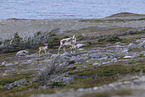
(113,15)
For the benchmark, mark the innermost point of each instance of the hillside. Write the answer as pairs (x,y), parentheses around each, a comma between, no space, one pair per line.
(109,60)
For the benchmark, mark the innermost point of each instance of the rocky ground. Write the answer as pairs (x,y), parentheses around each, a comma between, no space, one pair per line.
(109,61)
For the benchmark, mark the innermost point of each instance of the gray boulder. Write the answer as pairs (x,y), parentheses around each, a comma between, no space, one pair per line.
(54,56)
(16,83)
(114,60)
(7,71)
(142,44)
(80,45)
(98,64)
(132,46)
(66,54)
(22,53)
(124,51)
(66,80)
(3,63)
(126,57)
(9,64)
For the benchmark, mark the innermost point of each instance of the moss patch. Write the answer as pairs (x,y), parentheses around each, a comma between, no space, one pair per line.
(109,93)
(12,78)
(90,76)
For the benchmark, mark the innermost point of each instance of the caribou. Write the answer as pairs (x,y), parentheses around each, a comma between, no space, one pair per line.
(68,42)
(43,48)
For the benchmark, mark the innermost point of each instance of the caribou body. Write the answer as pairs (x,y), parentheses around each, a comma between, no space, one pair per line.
(43,48)
(68,42)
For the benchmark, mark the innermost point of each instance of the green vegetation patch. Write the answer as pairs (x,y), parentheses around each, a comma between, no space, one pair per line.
(12,78)
(99,75)
(109,93)
(110,20)
(21,91)
(90,82)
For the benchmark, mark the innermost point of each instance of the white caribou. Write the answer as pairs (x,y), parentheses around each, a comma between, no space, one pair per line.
(68,42)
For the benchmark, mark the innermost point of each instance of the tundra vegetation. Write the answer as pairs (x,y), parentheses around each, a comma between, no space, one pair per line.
(110,59)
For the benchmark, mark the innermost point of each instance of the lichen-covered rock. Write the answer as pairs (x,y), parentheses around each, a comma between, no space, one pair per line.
(66,54)
(16,83)
(63,79)
(98,64)
(132,46)
(80,45)
(22,53)
(114,60)
(7,71)
(8,64)
(142,44)
(5,62)
(124,51)
(128,57)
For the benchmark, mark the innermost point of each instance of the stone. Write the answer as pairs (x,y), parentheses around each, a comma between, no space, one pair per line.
(119,46)
(95,55)
(136,55)
(45,61)
(139,40)
(16,83)
(142,52)
(32,55)
(80,60)
(132,45)
(94,51)
(81,49)
(142,44)
(117,43)
(95,88)
(125,50)
(68,80)
(98,64)
(54,55)
(3,63)
(31,61)
(15,69)
(66,54)
(9,64)
(128,57)
(80,45)
(114,60)
(22,53)
(16,63)
(106,62)
(7,71)
(103,58)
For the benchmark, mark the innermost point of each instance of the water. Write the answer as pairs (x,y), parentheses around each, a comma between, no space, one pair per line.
(53,9)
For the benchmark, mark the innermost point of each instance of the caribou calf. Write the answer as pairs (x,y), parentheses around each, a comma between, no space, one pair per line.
(43,48)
